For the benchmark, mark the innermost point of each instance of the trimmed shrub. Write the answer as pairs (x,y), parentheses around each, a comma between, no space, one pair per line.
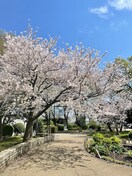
(60,127)
(19,128)
(69,126)
(98,128)
(124,134)
(46,122)
(81,122)
(92,125)
(8,130)
(130,135)
(80,129)
(53,128)
(73,126)
(40,127)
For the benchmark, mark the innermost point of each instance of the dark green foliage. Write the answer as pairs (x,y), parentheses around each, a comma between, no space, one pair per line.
(98,128)
(73,126)
(124,134)
(69,126)
(51,122)
(80,129)
(39,127)
(129,116)
(81,122)
(109,133)
(125,64)
(19,128)
(60,121)
(105,145)
(8,130)
(53,128)
(130,135)
(55,121)
(93,125)
(47,122)
(60,127)
(116,148)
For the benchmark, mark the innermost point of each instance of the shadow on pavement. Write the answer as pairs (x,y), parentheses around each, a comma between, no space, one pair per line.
(56,156)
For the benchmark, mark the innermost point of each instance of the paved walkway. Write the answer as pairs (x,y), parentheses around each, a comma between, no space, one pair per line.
(64,157)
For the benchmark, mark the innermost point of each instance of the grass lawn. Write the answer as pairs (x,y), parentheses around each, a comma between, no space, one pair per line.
(10,142)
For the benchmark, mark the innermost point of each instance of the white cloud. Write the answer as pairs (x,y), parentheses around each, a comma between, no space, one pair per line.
(121,4)
(118,25)
(101,11)
(86,30)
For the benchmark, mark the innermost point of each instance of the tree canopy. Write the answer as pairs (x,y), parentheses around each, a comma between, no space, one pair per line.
(37,76)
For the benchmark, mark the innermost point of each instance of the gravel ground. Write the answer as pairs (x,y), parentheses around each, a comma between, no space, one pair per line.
(65,156)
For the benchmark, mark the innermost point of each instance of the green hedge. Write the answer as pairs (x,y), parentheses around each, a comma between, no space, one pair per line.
(8,130)
(60,127)
(40,127)
(53,128)
(130,135)
(73,126)
(19,128)
(93,125)
(124,134)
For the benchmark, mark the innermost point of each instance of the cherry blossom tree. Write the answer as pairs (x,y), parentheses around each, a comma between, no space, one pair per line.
(42,76)
(7,102)
(120,102)
(112,110)
(6,113)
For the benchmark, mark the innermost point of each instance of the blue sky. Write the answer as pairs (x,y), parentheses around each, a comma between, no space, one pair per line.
(99,24)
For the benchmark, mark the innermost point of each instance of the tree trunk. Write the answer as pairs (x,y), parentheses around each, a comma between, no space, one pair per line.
(121,128)
(28,131)
(53,114)
(66,121)
(1,129)
(109,126)
(76,115)
(117,131)
(66,118)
